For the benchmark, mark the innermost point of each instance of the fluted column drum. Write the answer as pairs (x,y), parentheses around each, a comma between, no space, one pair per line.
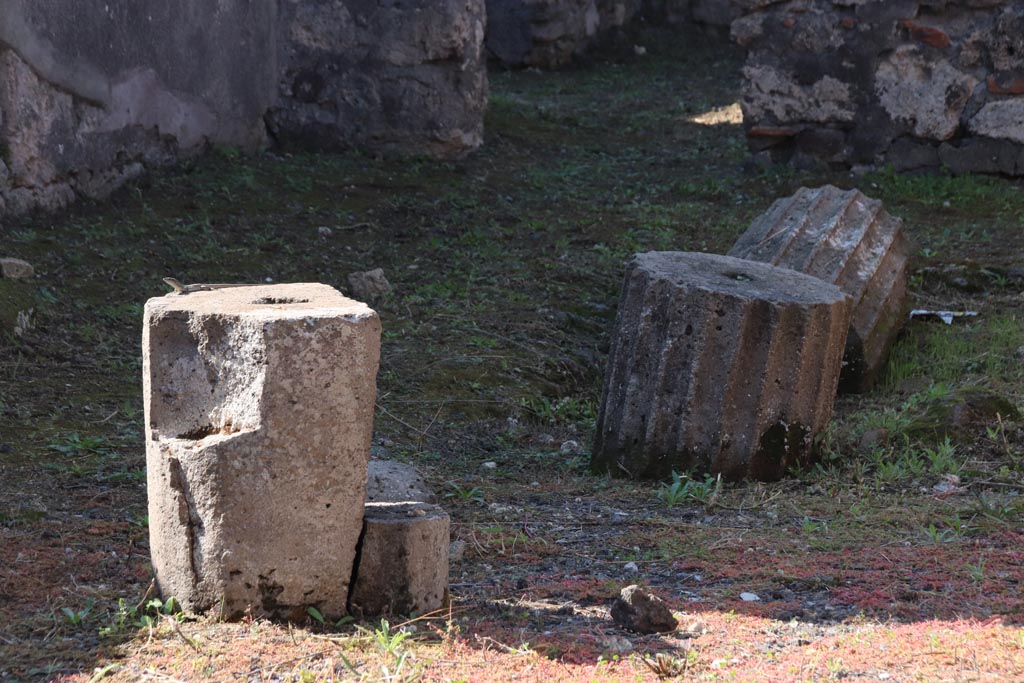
(846,238)
(718,365)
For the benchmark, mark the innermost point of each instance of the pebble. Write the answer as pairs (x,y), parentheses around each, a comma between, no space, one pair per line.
(16,269)
(617,645)
(571,448)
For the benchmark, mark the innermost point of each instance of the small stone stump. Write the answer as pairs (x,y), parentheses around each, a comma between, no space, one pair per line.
(259,411)
(718,365)
(848,239)
(403,560)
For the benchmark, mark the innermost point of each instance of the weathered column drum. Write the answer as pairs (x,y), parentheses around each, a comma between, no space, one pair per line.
(846,238)
(718,365)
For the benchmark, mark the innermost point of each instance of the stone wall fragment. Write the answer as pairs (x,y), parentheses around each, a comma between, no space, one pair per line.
(404,77)
(718,365)
(549,33)
(403,560)
(928,95)
(259,408)
(91,91)
(915,75)
(847,239)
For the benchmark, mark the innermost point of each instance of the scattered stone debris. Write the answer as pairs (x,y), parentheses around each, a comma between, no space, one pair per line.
(16,269)
(23,322)
(616,645)
(571,447)
(718,364)
(637,610)
(369,285)
(396,482)
(847,239)
(693,629)
(948,485)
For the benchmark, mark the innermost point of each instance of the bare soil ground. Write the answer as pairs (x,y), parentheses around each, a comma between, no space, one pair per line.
(899,557)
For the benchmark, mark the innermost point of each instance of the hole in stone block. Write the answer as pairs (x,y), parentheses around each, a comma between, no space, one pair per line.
(268,300)
(740,277)
(209,430)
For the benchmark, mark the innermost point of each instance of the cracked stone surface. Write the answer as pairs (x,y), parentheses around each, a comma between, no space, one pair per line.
(259,409)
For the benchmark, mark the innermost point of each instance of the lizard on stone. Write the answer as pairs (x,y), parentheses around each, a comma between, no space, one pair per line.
(181,288)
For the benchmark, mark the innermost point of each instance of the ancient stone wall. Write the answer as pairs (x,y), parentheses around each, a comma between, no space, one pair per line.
(718,14)
(396,76)
(908,83)
(92,93)
(549,33)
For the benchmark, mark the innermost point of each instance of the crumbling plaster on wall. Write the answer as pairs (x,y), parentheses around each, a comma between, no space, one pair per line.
(79,115)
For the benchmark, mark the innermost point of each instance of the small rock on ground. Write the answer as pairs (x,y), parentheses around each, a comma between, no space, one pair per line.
(395,482)
(639,611)
(369,285)
(16,269)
